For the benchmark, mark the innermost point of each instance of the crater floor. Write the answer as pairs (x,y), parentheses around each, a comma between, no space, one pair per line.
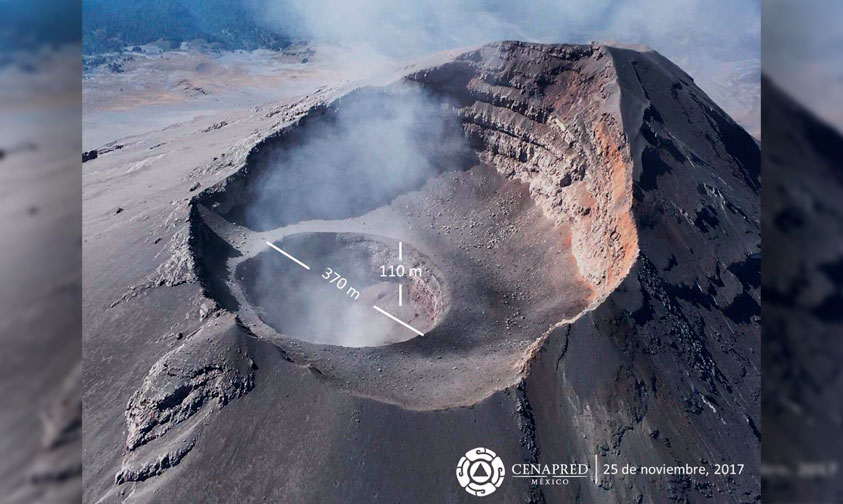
(334,301)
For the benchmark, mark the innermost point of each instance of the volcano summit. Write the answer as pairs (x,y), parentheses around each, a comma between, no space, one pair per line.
(578,233)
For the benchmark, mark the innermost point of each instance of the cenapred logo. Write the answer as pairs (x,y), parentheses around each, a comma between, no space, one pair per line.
(480,472)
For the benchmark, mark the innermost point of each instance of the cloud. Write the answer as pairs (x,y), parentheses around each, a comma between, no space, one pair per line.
(718,42)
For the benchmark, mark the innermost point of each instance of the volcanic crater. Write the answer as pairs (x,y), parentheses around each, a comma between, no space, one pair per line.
(504,250)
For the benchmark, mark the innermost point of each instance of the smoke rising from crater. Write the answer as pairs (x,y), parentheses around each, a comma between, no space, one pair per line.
(343,162)
(718,42)
(360,154)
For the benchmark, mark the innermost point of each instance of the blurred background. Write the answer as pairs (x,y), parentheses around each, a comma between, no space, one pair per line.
(40,252)
(802,237)
(801,117)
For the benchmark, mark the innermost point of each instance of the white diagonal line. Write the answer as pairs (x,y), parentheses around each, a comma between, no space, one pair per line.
(408,326)
(303,265)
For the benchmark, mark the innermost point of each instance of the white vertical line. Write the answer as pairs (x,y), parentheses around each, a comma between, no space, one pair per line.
(400,300)
(595,469)
(400,251)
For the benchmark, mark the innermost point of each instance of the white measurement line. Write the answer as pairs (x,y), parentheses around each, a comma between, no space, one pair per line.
(303,265)
(400,296)
(400,251)
(408,326)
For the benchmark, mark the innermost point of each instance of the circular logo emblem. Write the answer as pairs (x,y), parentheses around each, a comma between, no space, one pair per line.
(480,472)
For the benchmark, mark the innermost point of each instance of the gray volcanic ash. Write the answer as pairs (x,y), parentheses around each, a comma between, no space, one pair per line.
(583,224)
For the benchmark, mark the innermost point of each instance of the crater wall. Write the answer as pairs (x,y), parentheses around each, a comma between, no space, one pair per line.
(549,116)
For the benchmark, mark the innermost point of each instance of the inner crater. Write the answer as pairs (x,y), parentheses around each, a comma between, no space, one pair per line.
(334,301)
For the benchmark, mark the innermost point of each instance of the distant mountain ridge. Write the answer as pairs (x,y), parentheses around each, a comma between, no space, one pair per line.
(109,26)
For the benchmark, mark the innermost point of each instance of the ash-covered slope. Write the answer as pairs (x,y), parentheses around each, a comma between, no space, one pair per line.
(666,367)
(595,243)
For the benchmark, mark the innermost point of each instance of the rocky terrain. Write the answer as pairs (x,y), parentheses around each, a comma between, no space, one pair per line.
(149,87)
(589,217)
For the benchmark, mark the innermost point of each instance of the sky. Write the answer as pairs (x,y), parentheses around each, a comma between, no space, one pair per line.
(718,42)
